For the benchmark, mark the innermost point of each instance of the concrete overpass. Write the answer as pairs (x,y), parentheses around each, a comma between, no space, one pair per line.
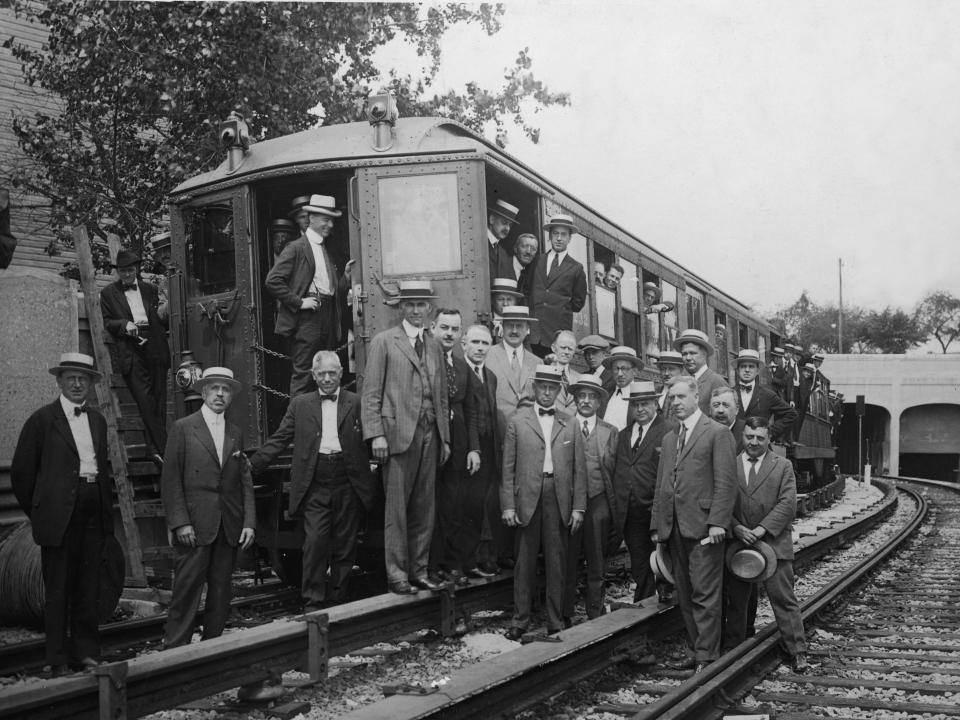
(912,423)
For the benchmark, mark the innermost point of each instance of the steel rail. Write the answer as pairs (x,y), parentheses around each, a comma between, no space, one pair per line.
(532,673)
(710,694)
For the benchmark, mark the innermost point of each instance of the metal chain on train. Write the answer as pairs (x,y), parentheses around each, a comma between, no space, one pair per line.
(258,348)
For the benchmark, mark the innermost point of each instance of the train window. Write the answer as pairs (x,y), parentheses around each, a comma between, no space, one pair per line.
(631,330)
(210,250)
(752,335)
(694,308)
(419,224)
(606,311)
(744,337)
(629,287)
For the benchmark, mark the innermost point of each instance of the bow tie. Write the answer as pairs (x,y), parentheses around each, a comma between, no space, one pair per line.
(543,412)
(328,397)
(746,388)
(78,410)
(130,287)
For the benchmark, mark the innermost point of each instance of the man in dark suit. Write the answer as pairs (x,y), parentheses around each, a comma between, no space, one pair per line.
(310,292)
(597,443)
(670,365)
(445,555)
(480,492)
(634,479)
(543,493)
(559,287)
(136,325)
(765,507)
(692,507)
(405,414)
(501,218)
(754,400)
(60,475)
(331,485)
(724,409)
(525,251)
(208,500)
(594,349)
(694,347)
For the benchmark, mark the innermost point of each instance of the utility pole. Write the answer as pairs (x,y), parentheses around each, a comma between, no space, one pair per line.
(840,319)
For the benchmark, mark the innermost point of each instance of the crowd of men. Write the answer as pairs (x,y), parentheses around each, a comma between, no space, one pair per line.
(492,450)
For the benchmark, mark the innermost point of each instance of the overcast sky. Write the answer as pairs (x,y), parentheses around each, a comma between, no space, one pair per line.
(754,142)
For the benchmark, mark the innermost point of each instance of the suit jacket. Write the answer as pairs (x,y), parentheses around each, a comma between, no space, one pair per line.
(524,447)
(484,430)
(303,423)
(45,469)
(197,489)
(392,389)
(771,502)
(600,452)
(766,404)
(699,487)
(706,384)
(554,300)
(565,400)
(289,281)
(511,387)
(501,262)
(116,314)
(636,472)
(462,413)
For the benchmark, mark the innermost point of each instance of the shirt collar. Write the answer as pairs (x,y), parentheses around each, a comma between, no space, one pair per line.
(558,256)
(691,422)
(700,372)
(68,406)
(313,236)
(746,460)
(494,240)
(210,416)
(591,421)
(411,331)
(136,286)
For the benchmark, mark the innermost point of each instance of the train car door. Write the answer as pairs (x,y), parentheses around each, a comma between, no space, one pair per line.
(423,222)
(211,291)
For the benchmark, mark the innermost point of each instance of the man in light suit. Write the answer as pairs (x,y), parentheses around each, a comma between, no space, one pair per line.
(694,347)
(634,479)
(331,485)
(559,287)
(405,414)
(543,493)
(754,400)
(60,475)
(765,507)
(692,507)
(310,292)
(136,333)
(597,442)
(208,500)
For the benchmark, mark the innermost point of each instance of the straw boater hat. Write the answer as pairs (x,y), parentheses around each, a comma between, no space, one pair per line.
(548,373)
(505,210)
(748,356)
(643,390)
(126,258)
(593,342)
(217,374)
(751,563)
(622,352)
(322,205)
(505,286)
(661,563)
(809,366)
(696,337)
(588,382)
(669,357)
(561,221)
(76,361)
(297,204)
(777,352)
(791,347)
(819,356)
(517,312)
(415,290)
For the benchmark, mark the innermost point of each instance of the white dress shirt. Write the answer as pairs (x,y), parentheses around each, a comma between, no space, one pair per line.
(135,301)
(517,268)
(636,432)
(546,425)
(618,407)
(746,466)
(412,333)
(216,426)
(700,372)
(590,421)
(329,439)
(554,259)
(321,280)
(80,429)
(745,397)
(494,240)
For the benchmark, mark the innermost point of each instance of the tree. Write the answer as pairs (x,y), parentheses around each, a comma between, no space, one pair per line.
(814,327)
(141,87)
(938,314)
(890,331)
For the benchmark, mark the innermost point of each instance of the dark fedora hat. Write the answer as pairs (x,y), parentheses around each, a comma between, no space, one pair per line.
(751,563)
(696,337)
(126,258)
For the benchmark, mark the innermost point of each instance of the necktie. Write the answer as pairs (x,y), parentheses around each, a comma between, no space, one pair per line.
(586,429)
(477,370)
(514,360)
(418,346)
(451,380)
(543,412)
(78,410)
(328,397)
(682,439)
(636,445)
(752,475)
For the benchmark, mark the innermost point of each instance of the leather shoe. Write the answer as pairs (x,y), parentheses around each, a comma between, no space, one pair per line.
(799,663)
(681,664)
(480,573)
(506,563)
(701,666)
(425,583)
(490,567)
(514,633)
(85,663)
(438,577)
(401,587)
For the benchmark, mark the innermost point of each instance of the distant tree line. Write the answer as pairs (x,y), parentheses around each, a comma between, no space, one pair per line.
(890,330)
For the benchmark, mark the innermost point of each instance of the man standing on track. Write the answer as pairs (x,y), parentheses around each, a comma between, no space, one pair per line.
(692,507)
